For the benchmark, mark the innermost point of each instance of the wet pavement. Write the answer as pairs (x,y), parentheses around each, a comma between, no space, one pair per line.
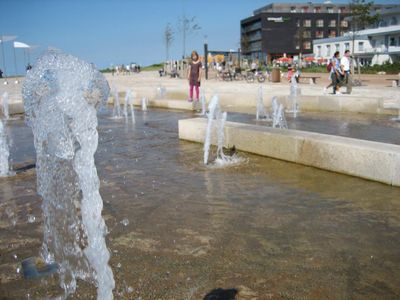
(178,229)
(378,128)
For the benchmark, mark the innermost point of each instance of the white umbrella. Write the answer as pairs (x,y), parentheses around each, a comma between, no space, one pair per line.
(22,46)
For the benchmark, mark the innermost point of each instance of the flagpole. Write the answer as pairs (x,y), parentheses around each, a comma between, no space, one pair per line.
(4,60)
(15,62)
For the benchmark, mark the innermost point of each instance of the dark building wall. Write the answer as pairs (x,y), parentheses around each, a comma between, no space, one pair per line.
(289,36)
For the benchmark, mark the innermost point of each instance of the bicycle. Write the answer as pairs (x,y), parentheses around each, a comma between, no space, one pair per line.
(252,76)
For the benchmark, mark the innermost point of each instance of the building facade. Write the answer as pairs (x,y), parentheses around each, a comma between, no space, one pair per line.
(285,29)
(370,46)
(375,45)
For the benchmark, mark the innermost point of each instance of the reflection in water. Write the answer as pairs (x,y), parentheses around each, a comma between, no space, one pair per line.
(269,228)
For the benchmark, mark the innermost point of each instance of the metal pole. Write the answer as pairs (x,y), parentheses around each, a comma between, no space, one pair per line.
(3,56)
(206,58)
(15,62)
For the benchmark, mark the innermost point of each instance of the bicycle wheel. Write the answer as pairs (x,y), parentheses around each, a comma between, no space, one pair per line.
(261,78)
(238,76)
(250,78)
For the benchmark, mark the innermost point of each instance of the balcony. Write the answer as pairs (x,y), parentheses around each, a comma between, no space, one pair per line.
(394,49)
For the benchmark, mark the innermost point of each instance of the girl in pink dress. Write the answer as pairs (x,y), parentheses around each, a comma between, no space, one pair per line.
(194,75)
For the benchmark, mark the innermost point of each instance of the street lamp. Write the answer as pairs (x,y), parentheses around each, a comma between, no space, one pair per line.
(206,56)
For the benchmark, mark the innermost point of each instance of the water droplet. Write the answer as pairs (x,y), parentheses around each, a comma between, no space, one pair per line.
(125,222)
(130,289)
(18,270)
(119,265)
(31,218)
(15,256)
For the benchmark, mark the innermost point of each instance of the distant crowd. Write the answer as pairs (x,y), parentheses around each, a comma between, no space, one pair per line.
(125,69)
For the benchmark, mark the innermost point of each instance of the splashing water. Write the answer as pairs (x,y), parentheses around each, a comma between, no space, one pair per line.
(126,105)
(295,92)
(203,102)
(4,153)
(261,113)
(117,106)
(5,105)
(144,104)
(213,112)
(161,91)
(129,100)
(61,94)
(220,119)
(279,119)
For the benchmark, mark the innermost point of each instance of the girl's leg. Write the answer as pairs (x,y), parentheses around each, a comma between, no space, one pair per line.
(197,92)
(191,93)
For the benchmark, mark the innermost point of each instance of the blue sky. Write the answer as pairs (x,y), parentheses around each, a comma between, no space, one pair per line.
(109,32)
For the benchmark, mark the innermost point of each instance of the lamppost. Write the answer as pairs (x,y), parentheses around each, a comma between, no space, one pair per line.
(206,56)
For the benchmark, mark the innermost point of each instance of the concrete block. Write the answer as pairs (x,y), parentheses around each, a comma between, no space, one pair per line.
(360,158)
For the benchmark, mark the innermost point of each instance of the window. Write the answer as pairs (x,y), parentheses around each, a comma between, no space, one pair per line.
(307,23)
(319,34)
(329,10)
(392,41)
(317,9)
(328,50)
(297,47)
(293,9)
(337,47)
(307,45)
(344,24)
(360,46)
(306,34)
(332,23)
(346,46)
(342,10)
(320,23)
(304,9)
(373,43)
(393,21)
(331,33)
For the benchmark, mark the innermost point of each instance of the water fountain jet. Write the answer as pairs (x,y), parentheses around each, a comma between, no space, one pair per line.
(61,94)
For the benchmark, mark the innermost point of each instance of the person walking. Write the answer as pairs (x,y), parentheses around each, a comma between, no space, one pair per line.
(194,75)
(335,73)
(331,70)
(345,62)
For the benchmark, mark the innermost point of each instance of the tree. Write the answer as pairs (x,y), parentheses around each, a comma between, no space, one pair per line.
(168,39)
(360,16)
(187,27)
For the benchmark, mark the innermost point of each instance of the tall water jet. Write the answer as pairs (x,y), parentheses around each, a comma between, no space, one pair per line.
(261,113)
(4,153)
(144,104)
(61,94)
(213,112)
(279,120)
(5,105)
(117,106)
(129,100)
(215,116)
(126,105)
(161,91)
(203,102)
(295,92)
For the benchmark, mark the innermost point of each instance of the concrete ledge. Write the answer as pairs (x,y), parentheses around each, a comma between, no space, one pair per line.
(360,158)
(16,107)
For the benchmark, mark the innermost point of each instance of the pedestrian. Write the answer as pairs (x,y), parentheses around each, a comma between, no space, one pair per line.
(194,75)
(345,61)
(1,73)
(333,68)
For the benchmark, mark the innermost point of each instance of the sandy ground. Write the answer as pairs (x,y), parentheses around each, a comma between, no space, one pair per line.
(146,83)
